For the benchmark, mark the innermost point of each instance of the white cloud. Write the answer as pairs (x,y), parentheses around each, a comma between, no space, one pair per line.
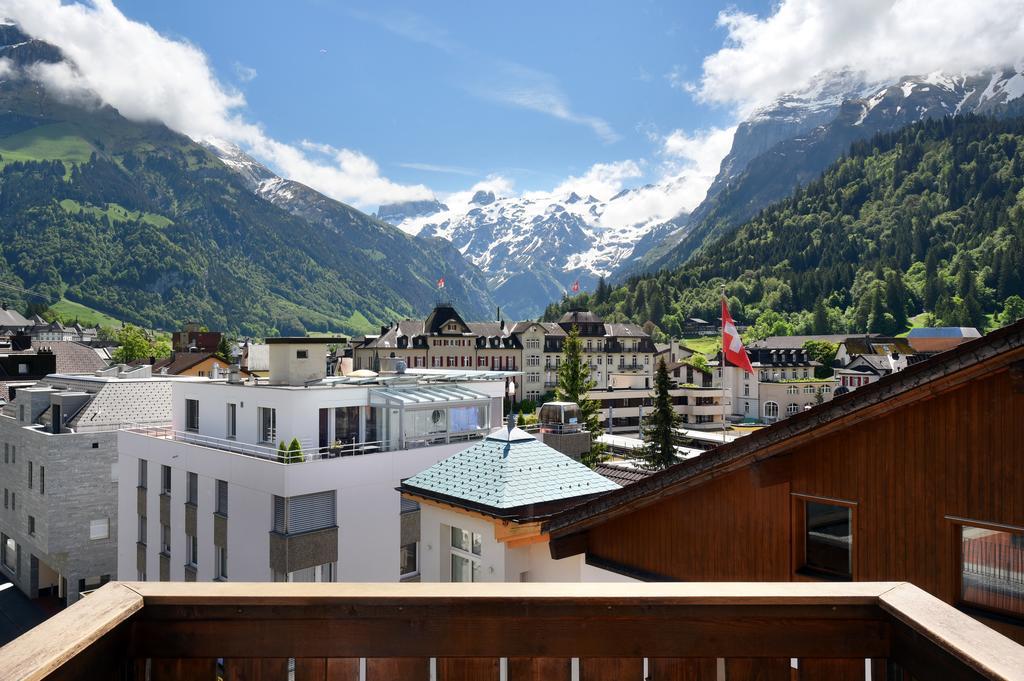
(691,162)
(883,39)
(6,67)
(602,180)
(245,73)
(438,168)
(528,88)
(411,26)
(148,77)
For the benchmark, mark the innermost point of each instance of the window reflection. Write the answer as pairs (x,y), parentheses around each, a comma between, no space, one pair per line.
(992,569)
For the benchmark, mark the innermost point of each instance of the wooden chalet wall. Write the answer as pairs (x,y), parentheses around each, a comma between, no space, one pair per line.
(957,454)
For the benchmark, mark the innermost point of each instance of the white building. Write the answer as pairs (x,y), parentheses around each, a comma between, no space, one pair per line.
(217,497)
(483,509)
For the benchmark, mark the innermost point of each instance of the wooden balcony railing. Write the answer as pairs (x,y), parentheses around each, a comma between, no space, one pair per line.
(732,631)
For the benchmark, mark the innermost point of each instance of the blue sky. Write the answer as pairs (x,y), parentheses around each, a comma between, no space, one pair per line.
(452,88)
(373,102)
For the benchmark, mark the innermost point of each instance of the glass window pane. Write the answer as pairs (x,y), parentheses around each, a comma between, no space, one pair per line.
(828,539)
(477,543)
(460,539)
(461,569)
(476,571)
(992,569)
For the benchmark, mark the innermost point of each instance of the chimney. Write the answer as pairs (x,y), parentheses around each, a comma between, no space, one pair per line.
(234,374)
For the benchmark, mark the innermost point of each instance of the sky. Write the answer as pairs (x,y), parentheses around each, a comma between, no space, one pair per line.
(378,102)
(445,94)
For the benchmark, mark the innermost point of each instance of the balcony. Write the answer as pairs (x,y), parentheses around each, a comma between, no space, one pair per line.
(178,630)
(631,367)
(306,453)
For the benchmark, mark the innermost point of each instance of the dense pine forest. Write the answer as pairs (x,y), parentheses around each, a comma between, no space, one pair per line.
(927,219)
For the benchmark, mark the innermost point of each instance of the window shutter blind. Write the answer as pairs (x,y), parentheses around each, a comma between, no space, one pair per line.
(311,512)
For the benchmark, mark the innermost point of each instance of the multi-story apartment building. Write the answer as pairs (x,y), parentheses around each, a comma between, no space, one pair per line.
(783,384)
(629,399)
(216,498)
(58,524)
(609,349)
(444,340)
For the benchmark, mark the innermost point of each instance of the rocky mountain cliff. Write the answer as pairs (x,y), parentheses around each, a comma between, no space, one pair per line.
(790,142)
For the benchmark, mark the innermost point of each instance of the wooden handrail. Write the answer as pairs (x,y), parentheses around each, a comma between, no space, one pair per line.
(125,624)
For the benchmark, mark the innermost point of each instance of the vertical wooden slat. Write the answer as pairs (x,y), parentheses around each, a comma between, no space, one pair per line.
(183,669)
(310,669)
(468,669)
(256,669)
(539,669)
(611,669)
(395,668)
(757,669)
(831,670)
(682,669)
(879,669)
(343,669)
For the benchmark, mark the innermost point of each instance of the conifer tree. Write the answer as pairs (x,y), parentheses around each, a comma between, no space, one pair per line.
(574,383)
(660,424)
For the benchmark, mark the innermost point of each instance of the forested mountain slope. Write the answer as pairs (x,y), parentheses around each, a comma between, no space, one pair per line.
(927,218)
(142,223)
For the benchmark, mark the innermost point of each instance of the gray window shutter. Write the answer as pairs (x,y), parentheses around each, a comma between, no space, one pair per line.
(311,512)
(222,497)
(279,515)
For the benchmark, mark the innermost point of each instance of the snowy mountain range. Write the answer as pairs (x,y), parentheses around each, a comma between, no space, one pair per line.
(792,140)
(532,248)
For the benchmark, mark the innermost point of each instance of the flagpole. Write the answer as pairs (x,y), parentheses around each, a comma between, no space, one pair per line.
(722,363)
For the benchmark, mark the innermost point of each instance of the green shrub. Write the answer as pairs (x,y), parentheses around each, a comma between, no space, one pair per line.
(295,451)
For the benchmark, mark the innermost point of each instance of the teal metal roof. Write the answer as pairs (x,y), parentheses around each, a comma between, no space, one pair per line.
(509,469)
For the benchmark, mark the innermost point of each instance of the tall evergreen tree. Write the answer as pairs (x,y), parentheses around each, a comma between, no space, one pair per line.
(660,424)
(574,383)
(820,323)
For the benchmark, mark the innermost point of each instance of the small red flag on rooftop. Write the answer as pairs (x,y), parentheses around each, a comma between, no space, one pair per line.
(440,282)
(576,286)
(732,344)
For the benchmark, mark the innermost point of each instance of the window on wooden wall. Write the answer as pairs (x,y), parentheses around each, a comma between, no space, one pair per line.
(992,569)
(827,540)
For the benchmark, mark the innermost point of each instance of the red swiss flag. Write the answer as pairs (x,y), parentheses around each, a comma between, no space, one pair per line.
(732,345)
(576,286)
(440,282)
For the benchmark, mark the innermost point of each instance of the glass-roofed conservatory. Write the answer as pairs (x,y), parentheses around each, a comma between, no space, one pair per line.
(421,415)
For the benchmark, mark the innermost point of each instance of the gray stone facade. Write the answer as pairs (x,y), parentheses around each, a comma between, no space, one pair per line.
(77,472)
(60,477)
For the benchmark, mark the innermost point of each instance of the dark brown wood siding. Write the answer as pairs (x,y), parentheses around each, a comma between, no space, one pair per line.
(960,454)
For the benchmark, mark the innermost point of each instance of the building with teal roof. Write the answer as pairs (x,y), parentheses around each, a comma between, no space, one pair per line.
(481,509)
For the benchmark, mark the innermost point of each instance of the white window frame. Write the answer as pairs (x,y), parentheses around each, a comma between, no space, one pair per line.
(220,559)
(190,426)
(472,557)
(260,431)
(99,529)
(191,551)
(416,568)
